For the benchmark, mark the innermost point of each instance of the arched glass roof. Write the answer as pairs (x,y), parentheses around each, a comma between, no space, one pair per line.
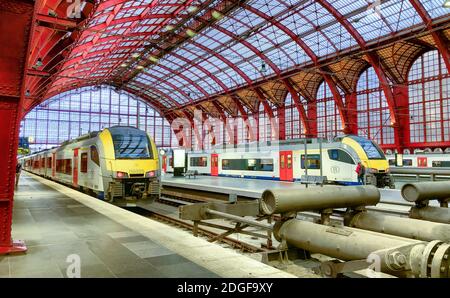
(182,52)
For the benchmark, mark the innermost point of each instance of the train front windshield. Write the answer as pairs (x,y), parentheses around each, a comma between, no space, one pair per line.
(371,149)
(131,143)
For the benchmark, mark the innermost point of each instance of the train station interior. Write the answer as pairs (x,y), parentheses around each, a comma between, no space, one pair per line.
(225,139)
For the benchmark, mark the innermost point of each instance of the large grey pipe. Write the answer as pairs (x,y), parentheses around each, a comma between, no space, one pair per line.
(400,226)
(342,243)
(422,191)
(354,244)
(430,213)
(286,200)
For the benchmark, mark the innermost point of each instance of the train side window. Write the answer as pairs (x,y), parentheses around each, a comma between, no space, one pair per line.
(200,161)
(313,161)
(68,167)
(340,155)
(234,164)
(266,165)
(392,162)
(94,155)
(84,162)
(49,162)
(440,163)
(407,162)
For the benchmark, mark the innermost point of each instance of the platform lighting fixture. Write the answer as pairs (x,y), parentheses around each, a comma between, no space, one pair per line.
(27,93)
(446,4)
(170,27)
(39,62)
(190,32)
(123,65)
(192,8)
(52,13)
(136,55)
(263,67)
(153,59)
(217,15)
(140,67)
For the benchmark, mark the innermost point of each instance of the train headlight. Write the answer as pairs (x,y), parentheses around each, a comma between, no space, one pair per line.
(121,175)
(150,174)
(373,170)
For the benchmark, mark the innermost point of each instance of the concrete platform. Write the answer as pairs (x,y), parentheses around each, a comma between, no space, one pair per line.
(252,188)
(57,223)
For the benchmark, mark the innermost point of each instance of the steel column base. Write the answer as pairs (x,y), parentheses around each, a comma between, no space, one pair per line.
(17,246)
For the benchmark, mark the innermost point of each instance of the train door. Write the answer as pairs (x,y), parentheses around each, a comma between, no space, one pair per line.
(214,165)
(286,169)
(75,167)
(422,162)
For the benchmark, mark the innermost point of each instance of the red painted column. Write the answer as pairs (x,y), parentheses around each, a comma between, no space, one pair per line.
(282,123)
(235,139)
(352,115)
(9,133)
(15,23)
(256,131)
(312,119)
(402,129)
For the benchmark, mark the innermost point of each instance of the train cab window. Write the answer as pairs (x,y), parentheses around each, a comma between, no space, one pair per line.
(407,162)
(313,161)
(94,155)
(199,161)
(340,155)
(84,162)
(130,143)
(370,148)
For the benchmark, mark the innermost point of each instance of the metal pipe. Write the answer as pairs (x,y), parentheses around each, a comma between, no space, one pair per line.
(422,191)
(436,214)
(286,200)
(393,255)
(342,243)
(420,171)
(399,226)
(240,219)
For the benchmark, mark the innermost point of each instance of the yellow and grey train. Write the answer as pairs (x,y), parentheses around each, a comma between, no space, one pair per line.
(333,162)
(117,163)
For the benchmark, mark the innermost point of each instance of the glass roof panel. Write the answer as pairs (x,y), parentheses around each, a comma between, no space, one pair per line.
(435,8)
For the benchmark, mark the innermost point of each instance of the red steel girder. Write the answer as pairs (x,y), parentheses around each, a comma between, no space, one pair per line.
(440,41)
(336,95)
(375,61)
(55,22)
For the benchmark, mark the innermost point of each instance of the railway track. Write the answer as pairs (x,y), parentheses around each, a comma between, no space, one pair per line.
(150,211)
